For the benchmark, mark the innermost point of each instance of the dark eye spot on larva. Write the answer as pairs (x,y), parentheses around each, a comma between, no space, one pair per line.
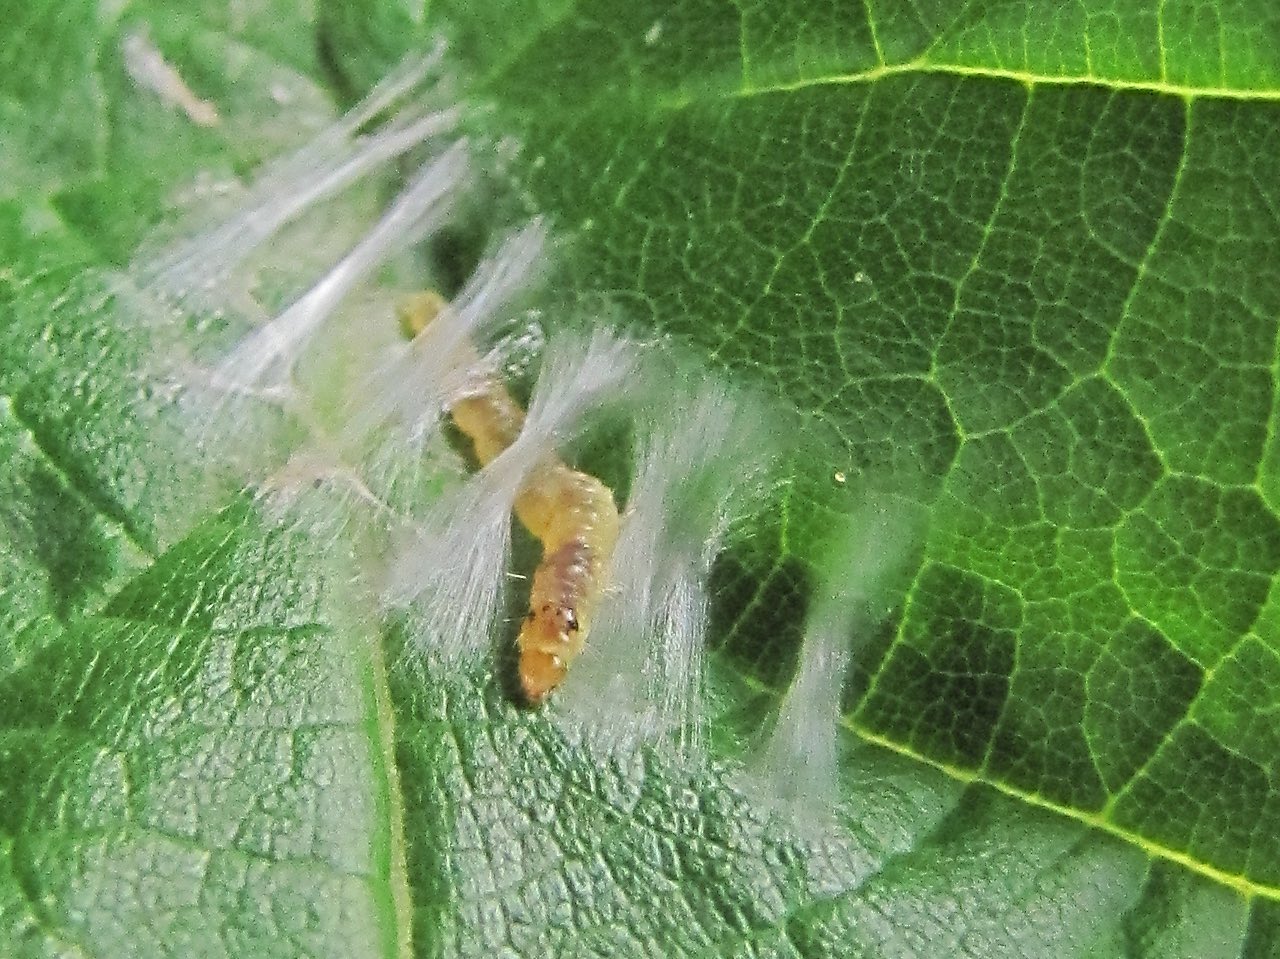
(570,620)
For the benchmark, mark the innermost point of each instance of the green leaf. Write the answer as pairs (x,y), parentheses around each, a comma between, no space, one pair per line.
(1011,263)
(1015,269)
(204,773)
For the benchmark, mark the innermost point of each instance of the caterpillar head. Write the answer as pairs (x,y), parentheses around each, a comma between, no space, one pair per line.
(551,635)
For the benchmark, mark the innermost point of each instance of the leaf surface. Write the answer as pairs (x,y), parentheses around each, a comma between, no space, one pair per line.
(1011,263)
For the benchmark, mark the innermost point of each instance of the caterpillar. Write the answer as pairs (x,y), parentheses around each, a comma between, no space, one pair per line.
(693,476)
(572,514)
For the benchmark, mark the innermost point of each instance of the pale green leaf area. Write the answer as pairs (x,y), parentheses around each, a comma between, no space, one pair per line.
(1011,263)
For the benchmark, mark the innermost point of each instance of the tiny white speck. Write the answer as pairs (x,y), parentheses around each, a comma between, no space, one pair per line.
(861,277)
(653,33)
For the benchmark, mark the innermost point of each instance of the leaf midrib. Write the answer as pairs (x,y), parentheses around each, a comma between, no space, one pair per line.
(1029,78)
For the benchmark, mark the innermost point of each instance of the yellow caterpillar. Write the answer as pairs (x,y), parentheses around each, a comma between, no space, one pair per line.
(572,514)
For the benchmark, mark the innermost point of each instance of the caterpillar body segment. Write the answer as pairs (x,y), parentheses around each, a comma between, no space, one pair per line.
(491,420)
(441,363)
(422,206)
(417,311)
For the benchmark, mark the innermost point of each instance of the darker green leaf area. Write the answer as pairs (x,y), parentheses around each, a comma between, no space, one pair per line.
(800,239)
(1040,309)
(760,597)
(955,657)
(71,349)
(1199,561)
(1186,799)
(1136,691)
(1194,354)
(1073,447)
(1225,755)
(56,545)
